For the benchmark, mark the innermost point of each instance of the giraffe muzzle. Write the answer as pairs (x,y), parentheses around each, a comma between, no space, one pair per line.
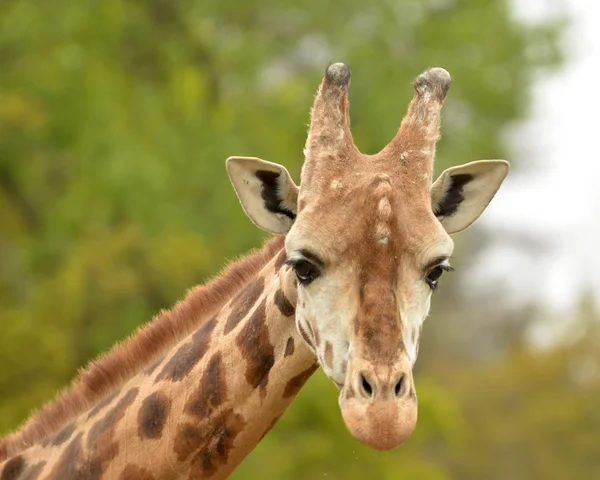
(379,405)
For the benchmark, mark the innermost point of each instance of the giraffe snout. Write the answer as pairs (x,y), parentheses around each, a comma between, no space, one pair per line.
(379,404)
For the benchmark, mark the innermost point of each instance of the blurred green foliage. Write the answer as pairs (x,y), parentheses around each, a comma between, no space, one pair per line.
(115,120)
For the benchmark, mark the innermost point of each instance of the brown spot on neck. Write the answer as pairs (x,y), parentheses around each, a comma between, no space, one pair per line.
(104,403)
(271,425)
(189,354)
(253,342)
(32,472)
(13,468)
(296,383)
(212,392)
(62,436)
(153,415)
(106,424)
(102,446)
(149,370)
(209,444)
(243,302)
(74,464)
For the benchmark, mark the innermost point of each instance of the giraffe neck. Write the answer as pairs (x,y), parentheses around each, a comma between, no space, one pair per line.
(198,411)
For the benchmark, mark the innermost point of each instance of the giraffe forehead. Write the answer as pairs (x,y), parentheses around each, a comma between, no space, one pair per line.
(362,193)
(372,216)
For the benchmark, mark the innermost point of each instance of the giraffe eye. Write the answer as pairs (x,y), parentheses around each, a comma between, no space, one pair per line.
(434,275)
(305,271)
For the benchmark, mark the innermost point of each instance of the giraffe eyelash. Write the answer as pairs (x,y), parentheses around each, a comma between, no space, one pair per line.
(433,276)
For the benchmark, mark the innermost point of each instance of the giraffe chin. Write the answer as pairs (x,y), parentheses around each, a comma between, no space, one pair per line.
(381,424)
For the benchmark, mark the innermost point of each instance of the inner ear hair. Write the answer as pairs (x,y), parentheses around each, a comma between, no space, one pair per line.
(271,192)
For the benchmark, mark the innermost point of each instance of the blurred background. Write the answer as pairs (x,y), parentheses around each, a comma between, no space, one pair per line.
(115,121)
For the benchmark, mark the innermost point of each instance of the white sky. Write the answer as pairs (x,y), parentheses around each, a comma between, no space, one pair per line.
(553,196)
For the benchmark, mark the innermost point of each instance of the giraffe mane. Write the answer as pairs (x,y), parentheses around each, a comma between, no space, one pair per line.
(128,357)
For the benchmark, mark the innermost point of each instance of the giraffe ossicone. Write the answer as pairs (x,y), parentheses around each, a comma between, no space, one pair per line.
(346,284)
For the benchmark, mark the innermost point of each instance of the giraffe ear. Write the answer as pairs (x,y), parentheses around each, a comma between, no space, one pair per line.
(461,194)
(266,191)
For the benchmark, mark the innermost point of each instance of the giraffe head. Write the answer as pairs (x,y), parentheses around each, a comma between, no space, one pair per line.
(367,238)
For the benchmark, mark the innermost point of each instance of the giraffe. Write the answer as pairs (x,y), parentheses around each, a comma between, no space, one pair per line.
(344,284)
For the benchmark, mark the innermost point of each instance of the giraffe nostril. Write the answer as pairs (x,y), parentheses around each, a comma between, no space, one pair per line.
(400,387)
(365,387)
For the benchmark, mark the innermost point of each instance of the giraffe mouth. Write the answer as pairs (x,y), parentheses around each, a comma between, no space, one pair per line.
(381,425)
(378,402)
